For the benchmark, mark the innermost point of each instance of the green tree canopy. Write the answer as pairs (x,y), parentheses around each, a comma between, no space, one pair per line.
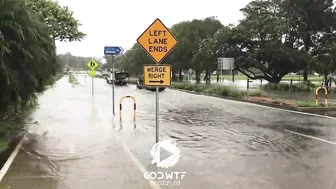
(28,58)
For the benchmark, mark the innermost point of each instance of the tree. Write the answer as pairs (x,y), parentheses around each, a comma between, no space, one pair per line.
(261,44)
(28,58)
(311,22)
(27,54)
(59,19)
(193,48)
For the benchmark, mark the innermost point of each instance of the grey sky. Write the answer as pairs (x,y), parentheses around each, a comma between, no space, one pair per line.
(120,23)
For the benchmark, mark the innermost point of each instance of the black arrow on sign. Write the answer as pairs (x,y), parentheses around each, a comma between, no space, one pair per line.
(161,81)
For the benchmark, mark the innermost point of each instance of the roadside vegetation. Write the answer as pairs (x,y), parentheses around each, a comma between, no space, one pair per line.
(292,87)
(251,96)
(298,78)
(72,79)
(28,60)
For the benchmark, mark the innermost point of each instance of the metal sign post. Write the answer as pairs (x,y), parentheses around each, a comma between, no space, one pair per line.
(113,106)
(149,40)
(92,87)
(113,50)
(157,76)
(157,138)
(92,65)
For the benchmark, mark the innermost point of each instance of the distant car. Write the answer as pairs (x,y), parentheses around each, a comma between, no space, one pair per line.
(120,78)
(105,74)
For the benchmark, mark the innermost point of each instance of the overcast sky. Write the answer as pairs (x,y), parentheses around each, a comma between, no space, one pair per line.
(120,23)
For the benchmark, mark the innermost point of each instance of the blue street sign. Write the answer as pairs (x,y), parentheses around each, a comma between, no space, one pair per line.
(108,50)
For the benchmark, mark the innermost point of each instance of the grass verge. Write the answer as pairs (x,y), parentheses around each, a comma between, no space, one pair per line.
(285,78)
(258,97)
(295,87)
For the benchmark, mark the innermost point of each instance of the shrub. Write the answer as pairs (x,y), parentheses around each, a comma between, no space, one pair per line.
(296,87)
(306,103)
(219,90)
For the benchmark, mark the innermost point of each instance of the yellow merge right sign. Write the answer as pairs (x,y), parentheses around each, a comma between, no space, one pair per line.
(157,75)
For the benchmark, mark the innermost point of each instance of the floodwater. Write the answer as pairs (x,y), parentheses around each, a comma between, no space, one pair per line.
(78,144)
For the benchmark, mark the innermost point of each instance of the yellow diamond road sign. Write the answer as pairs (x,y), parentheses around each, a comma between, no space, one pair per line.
(157,41)
(157,75)
(92,65)
(92,73)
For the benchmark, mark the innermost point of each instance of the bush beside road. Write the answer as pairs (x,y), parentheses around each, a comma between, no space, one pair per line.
(285,78)
(258,97)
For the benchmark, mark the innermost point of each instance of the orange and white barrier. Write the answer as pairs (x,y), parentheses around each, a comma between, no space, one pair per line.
(134,110)
(325,95)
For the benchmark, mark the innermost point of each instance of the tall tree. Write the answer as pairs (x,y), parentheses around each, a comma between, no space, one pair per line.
(310,20)
(60,20)
(262,45)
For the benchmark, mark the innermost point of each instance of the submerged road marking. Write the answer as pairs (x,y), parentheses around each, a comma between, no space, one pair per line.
(308,136)
(297,112)
(11,158)
(138,164)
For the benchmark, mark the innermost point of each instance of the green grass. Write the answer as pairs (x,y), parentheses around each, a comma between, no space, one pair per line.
(10,128)
(218,90)
(285,78)
(295,87)
(307,104)
(225,91)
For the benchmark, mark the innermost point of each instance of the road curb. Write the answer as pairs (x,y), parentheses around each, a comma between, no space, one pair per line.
(299,110)
(11,158)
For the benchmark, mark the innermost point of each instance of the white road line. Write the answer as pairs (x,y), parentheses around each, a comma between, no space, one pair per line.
(138,164)
(11,158)
(308,136)
(253,104)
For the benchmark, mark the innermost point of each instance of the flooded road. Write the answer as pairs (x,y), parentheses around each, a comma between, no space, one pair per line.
(77,144)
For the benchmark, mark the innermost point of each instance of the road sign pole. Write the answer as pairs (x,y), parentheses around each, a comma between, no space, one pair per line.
(157,115)
(92,65)
(113,50)
(92,87)
(113,106)
(152,75)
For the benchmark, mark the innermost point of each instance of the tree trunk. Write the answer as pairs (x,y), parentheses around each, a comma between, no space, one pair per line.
(207,77)
(174,76)
(198,77)
(305,73)
(306,48)
(326,78)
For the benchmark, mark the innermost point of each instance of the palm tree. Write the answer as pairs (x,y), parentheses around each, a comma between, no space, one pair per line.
(27,54)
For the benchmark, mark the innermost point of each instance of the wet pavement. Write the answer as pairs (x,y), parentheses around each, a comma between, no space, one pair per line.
(76,143)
